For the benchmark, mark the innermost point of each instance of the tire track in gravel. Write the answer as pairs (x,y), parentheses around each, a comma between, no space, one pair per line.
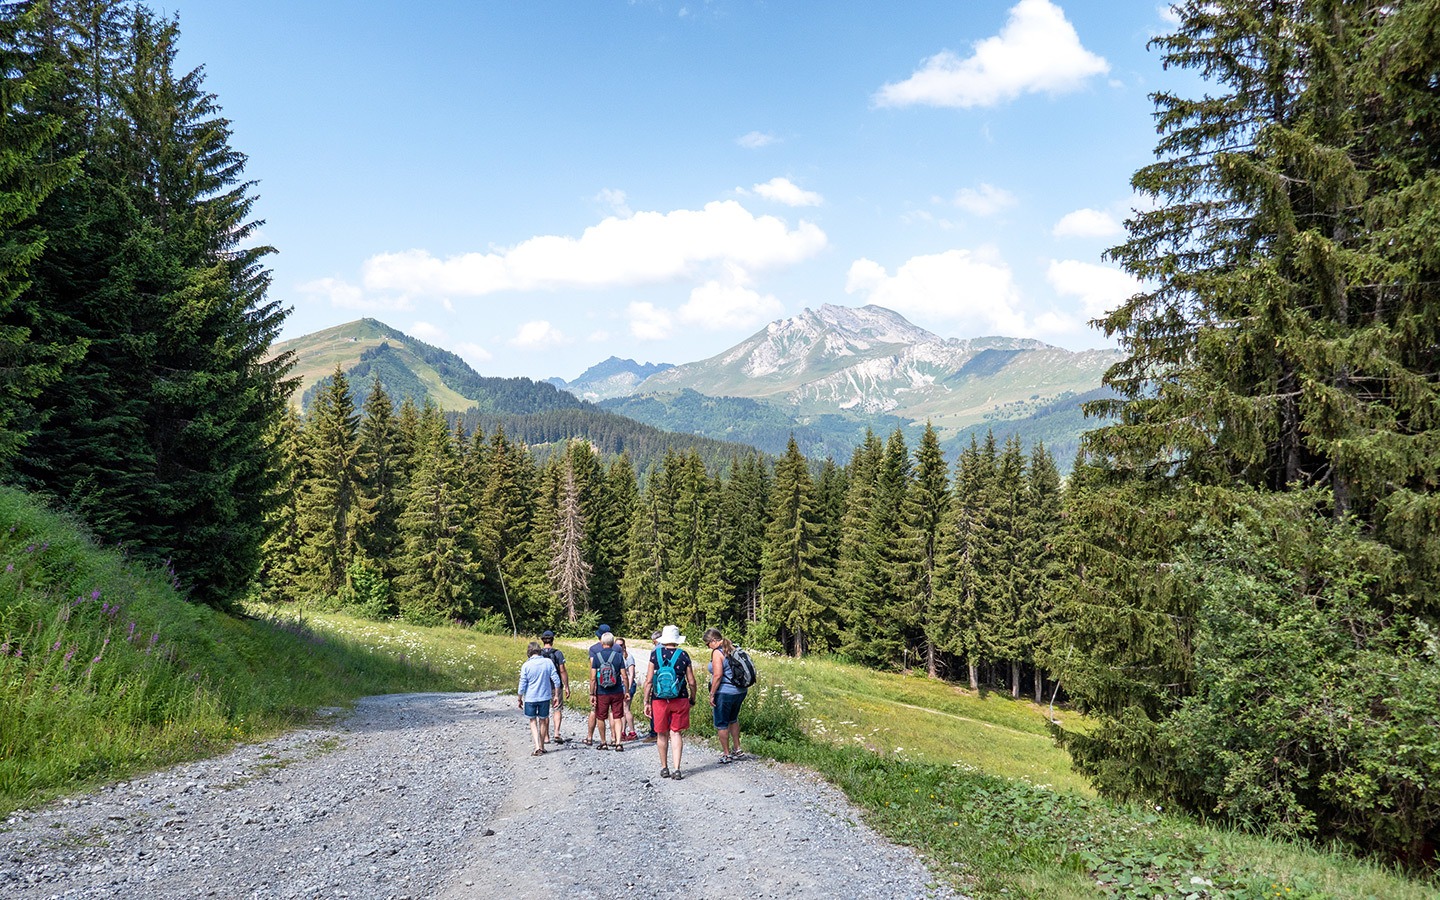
(436,795)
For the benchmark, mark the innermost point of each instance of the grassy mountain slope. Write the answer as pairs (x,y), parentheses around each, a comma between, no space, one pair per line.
(105,670)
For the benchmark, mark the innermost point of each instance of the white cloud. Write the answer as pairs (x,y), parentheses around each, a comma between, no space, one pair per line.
(1100,288)
(598,337)
(1088,223)
(715,306)
(756,139)
(783,190)
(973,290)
(433,334)
(342,294)
(648,322)
(1037,51)
(646,247)
(614,201)
(1168,14)
(538,335)
(986,200)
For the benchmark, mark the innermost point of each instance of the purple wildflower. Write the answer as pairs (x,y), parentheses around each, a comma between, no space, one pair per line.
(70,655)
(55,647)
(5,649)
(9,567)
(130,632)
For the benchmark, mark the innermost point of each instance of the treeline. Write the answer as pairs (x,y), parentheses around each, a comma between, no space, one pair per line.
(134,325)
(397,512)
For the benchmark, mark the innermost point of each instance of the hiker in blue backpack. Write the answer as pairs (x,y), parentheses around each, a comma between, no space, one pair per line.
(590,719)
(609,682)
(669,694)
(726,695)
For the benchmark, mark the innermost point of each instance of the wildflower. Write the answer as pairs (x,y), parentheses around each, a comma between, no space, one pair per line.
(9,567)
(71,655)
(55,647)
(5,649)
(95,594)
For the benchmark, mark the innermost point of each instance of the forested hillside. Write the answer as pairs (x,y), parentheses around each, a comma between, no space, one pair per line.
(1239,581)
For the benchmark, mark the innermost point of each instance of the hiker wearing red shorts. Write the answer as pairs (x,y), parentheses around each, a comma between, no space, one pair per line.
(669,694)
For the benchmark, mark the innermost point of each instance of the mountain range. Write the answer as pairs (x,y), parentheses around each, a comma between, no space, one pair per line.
(829,373)
(825,376)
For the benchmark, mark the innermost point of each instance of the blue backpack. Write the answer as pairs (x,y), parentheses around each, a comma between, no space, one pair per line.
(667,680)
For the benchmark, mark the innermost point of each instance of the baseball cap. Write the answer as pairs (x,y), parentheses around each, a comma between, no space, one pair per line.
(601,630)
(548,635)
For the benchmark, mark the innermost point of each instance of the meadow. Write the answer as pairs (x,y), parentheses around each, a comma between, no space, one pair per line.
(106,672)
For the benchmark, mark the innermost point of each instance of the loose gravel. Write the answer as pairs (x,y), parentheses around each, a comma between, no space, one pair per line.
(437,795)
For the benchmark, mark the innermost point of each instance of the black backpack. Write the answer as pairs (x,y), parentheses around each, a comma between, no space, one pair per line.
(742,670)
(553,655)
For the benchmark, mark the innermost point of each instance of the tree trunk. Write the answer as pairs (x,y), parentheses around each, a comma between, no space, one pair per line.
(1039,685)
(974,676)
(1015,679)
(930,658)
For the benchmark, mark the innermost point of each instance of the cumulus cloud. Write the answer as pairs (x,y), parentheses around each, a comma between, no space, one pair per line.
(1088,223)
(433,334)
(783,190)
(537,335)
(974,290)
(646,247)
(1037,51)
(1099,288)
(648,322)
(986,200)
(715,306)
(756,139)
(342,294)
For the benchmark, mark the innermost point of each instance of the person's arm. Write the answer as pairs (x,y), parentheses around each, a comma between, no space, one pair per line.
(520,691)
(717,672)
(690,680)
(649,677)
(594,668)
(565,680)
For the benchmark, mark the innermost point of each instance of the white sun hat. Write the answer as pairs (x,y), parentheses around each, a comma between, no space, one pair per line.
(670,634)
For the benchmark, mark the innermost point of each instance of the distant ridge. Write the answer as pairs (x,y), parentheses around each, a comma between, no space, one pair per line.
(615,377)
(538,413)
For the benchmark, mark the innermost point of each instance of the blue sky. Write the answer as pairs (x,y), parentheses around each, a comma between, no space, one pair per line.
(537,185)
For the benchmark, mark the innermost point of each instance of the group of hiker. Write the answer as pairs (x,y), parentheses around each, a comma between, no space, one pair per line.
(668,689)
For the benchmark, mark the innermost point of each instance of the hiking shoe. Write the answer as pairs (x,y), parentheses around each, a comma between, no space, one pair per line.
(650,738)
(632,736)
(558,740)
(665,773)
(677,776)
(602,746)
(727,758)
(619,747)
(737,756)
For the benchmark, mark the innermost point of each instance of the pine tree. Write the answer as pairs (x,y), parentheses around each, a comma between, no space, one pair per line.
(30,170)
(1004,573)
(439,573)
(744,502)
(619,496)
(852,570)
(792,576)
(927,506)
(327,500)
(957,619)
(280,579)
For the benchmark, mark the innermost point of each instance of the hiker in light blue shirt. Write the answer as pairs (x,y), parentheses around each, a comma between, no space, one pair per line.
(539,683)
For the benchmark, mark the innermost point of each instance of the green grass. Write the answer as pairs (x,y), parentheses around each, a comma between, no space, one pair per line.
(105,671)
(976,784)
(972,781)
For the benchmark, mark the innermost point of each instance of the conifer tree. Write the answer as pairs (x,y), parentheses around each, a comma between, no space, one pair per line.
(1004,573)
(328,498)
(957,620)
(792,578)
(618,498)
(380,497)
(1040,551)
(927,506)
(439,573)
(569,571)
(279,579)
(31,167)
(853,566)
(744,499)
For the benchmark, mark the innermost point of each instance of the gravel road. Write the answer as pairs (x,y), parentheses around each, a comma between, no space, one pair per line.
(437,795)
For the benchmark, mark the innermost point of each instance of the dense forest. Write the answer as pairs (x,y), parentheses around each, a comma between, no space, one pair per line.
(1239,581)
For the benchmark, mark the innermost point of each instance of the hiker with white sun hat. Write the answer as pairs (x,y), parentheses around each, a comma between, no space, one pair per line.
(669,694)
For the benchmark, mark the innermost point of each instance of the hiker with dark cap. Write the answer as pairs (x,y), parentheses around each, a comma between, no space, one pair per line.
(557,706)
(608,685)
(669,694)
(590,720)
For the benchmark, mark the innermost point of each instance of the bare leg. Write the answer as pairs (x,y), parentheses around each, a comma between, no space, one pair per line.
(662,743)
(535,733)
(678,738)
(557,716)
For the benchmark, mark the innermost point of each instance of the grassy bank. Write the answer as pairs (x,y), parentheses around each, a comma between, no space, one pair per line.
(106,671)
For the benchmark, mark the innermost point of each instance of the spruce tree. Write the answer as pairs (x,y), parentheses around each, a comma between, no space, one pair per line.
(328,498)
(792,576)
(439,572)
(744,502)
(927,506)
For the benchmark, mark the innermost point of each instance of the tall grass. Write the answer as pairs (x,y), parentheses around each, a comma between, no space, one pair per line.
(105,670)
